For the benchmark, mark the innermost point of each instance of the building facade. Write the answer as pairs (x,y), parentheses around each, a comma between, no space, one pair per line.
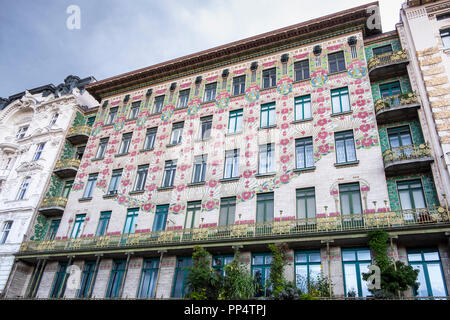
(311,135)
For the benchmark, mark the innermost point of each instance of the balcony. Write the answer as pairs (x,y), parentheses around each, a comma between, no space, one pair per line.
(397,108)
(66,168)
(79,135)
(53,206)
(387,65)
(435,217)
(413,158)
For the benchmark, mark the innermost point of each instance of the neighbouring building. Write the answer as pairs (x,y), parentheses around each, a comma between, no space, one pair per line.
(312,135)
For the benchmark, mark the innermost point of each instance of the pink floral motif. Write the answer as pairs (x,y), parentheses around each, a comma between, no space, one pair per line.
(251,119)
(324,148)
(85,165)
(248,154)
(359,91)
(284,159)
(108,161)
(247,174)
(321,110)
(365,127)
(176,208)
(125,182)
(360,103)
(322,135)
(284,178)
(210,205)
(322,122)
(362,114)
(122,199)
(212,183)
(151,187)
(184,167)
(130,167)
(285,110)
(246,195)
(284,126)
(180,187)
(284,142)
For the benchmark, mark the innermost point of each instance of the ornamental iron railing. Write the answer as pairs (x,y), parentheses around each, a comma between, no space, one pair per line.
(84,130)
(387,59)
(413,151)
(384,104)
(54,202)
(67,163)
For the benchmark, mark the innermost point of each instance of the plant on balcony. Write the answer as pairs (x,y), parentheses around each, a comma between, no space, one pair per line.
(238,282)
(395,277)
(280,288)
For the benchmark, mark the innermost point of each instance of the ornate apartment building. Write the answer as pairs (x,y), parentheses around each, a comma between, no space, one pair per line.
(312,135)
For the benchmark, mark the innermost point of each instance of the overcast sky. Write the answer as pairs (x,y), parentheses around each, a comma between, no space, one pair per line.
(118,36)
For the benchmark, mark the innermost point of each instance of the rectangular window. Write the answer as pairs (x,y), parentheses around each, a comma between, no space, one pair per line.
(130,221)
(390,89)
(302,108)
(5,231)
(399,138)
(301,70)
(227,211)
(59,285)
(304,153)
(210,92)
(192,214)
(150,138)
(115,280)
(198,174)
(183,98)
(205,127)
(266,158)
(21,132)
(112,115)
(38,152)
(219,262)
(149,275)
(90,121)
(79,153)
(177,132)
(23,188)
(307,269)
(231,168)
(238,85)
(67,187)
(102,148)
(355,262)
(235,121)
(159,223)
(350,197)
(340,100)
(141,177)
(181,273)
(267,115)
(269,78)
(345,147)
(411,194)
(159,102)
(103,223)
(381,50)
(306,203)
(115,181)
(126,141)
(336,62)
(264,207)
(53,229)
(78,226)
(261,273)
(445,36)
(134,112)
(90,185)
(87,277)
(169,173)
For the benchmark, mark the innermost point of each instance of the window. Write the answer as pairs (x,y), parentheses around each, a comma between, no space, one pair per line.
(269,78)
(177,131)
(238,85)
(38,152)
(115,181)
(350,197)
(115,280)
(112,115)
(53,119)
(131,221)
(53,229)
(23,188)
(267,115)
(102,148)
(431,276)
(307,269)
(411,194)
(304,154)
(235,121)
(264,207)
(390,89)
(192,214)
(381,50)
(5,231)
(336,62)
(443,16)
(227,211)
(78,226)
(141,177)
(303,108)
(21,132)
(205,127)
(134,112)
(67,187)
(79,153)
(59,284)
(125,145)
(345,147)
(150,138)
(149,275)
(90,121)
(355,262)
(301,70)
(183,98)
(399,137)
(266,158)
(306,203)
(210,92)
(159,223)
(340,100)
(87,279)
(219,262)
(169,173)
(179,287)
(261,273)
(198,174)
(231,168)
(90,185)
(159,102)
(103,223)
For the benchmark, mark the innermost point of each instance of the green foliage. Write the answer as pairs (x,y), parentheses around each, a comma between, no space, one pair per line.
(238,282)
(290,292)
(40,228)
(279,261)
(321,286)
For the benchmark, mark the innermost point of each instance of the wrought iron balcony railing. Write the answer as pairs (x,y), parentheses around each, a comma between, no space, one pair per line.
(384,104)
(54,202)
(67,163)
(79,130)
(249,231)
(414,151)
(387,59)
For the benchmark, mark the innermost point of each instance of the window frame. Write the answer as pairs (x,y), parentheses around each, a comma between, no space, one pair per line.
(91,182)
(135,105)
(351,194)
(382,47)
(200,162)
(302,101)
(38,152)
(206,127)
(103,223)
(270,109)
(299,66)
(177,132)
(210,92)
(125,143)
(150,134)
(265,198)
(340,58)
(304,143)
(150,266)
(308,265)
(141,178)
(78,224)
(340,92)
(129,226)
(6,229)
(265,268)
(112,116)
(23,188)
(345,136)
(102,145)
(170,167)
(271,74)
(116,177)
(234,117)
(115,278)
(160,217)
(357,264)
(239,83)
(227,203)
(234,156)
(185,95)
(269,153)
(305,193)
(159,103)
